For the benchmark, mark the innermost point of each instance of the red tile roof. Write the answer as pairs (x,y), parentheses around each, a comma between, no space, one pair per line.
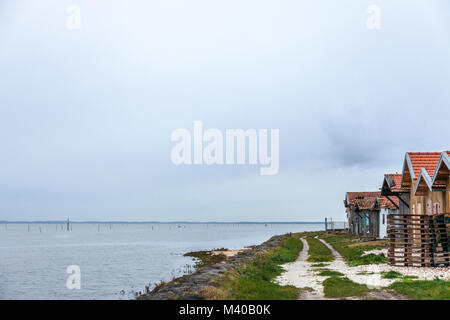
(364,200)
(351,196)
(370,201)
(397,177)
(385,203)
(396,180)
(426,160)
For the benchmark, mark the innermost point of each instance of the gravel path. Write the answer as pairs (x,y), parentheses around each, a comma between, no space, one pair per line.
(368,274)
(302,274)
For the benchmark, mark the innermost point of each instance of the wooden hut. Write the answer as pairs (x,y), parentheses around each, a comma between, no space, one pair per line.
(417,166)
(367,213)
(393,191)
(434,190)
(419,237)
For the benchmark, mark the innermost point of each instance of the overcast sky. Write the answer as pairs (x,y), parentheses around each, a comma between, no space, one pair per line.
(86,115)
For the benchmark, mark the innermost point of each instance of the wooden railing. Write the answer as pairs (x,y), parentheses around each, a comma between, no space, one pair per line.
(441,228)
(418,240)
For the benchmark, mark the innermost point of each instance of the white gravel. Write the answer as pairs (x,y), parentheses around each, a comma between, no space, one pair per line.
(299,274)
(384,252)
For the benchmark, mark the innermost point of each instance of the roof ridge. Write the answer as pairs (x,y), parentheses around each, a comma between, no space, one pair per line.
(363,191)
(421,152)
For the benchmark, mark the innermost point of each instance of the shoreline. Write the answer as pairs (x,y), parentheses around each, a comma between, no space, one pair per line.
(191,286)
(309,265)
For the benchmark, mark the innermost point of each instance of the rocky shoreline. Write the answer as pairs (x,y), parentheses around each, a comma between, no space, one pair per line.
(190,287)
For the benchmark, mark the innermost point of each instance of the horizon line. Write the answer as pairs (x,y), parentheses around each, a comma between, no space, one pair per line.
(155,222)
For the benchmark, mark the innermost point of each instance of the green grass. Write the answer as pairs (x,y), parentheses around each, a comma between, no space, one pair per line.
(329,273)
(306,289)
(353,255)
(396,275)
(338,287)
(318,252)
(423,289)
(410,277)
(363,273)
(254,281)
(391,275)
(319,265)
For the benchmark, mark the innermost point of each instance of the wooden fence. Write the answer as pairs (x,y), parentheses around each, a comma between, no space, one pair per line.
(441,228)
(418,240)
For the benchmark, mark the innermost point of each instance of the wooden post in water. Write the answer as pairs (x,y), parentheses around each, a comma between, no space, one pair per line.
(67,224)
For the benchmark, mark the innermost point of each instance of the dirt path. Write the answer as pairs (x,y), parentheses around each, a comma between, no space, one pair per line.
(302,274)
(369,275)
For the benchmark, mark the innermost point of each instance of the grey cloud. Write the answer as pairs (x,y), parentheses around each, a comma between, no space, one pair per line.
(86,116)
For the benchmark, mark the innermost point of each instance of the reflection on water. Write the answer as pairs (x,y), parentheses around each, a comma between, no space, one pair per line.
(115,260)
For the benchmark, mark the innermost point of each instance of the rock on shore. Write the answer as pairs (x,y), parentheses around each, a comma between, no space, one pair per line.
(190,287)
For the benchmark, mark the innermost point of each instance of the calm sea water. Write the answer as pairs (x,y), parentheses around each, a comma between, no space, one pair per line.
(115,260)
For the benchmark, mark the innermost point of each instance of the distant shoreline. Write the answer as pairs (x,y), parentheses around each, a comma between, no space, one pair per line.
(154,222)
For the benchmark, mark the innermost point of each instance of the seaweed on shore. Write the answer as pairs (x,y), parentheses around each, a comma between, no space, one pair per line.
(206,258)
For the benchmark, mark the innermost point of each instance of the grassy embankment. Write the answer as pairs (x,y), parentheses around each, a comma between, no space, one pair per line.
(418,289)
(341,287)
(423,289)
(254,280)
